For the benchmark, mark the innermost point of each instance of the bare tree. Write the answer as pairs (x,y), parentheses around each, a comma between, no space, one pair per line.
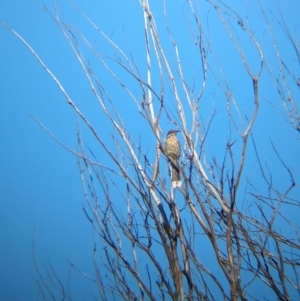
(226,231)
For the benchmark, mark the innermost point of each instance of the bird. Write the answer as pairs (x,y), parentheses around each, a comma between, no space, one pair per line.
(172,151)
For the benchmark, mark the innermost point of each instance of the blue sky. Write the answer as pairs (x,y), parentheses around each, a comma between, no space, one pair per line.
(39,180)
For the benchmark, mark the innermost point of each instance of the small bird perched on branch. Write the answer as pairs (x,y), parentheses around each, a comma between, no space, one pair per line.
(172,151)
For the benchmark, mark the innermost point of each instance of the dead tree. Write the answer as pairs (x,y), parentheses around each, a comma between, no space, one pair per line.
(226,231)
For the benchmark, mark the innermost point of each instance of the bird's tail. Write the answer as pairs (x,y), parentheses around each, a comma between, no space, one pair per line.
(176,182)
